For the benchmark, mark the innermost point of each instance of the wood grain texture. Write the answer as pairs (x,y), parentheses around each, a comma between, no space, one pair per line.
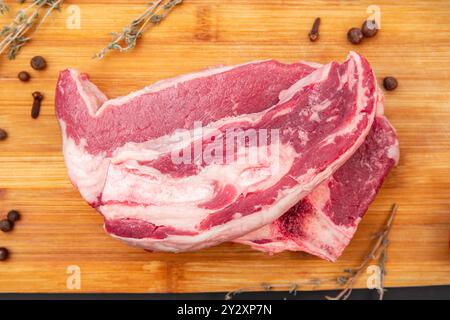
(58,229)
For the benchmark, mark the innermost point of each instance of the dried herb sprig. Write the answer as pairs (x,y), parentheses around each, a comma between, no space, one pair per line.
(27,21)
(127,39)
(3,7)
(292,288)
(378,252)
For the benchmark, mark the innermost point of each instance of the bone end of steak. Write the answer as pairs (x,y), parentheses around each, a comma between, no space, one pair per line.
(150,202)
(324,222)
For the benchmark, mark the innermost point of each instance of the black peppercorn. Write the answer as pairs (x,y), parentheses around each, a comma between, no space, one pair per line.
(4,253)
(390,83)
(3,135)
(355,35)
(24,76)
(369,28)
(13,216)
(38,63)
(6,225)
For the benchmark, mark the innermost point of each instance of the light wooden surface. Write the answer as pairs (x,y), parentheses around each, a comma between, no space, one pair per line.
(59,230)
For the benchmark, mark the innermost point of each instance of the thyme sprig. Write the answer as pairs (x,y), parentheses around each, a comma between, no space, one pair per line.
(292,288)
(378,253)
(3,7)
(128,37)
(27,21)
(348,280)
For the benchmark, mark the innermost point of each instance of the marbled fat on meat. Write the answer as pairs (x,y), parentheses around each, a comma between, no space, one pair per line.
(324,222)
(117,151)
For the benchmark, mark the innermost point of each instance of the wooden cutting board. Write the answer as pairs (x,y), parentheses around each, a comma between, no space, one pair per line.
(60,234)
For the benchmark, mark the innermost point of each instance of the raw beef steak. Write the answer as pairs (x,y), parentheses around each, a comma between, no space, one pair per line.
(324,222)
(122,154)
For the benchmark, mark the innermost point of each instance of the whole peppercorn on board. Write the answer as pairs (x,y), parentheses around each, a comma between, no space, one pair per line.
(59,237)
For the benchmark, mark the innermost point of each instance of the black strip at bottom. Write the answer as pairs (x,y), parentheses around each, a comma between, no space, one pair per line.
(410,293)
